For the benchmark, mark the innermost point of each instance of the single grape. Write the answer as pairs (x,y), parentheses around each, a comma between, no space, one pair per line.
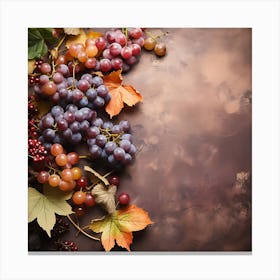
(84,125)
(67,175)
(89,201)
(117,63)
(116,129)
(82,56)
(76,172)
(54,180)
(77,94)
(83,85)
(49,88)
(56,149)
(115,49)
(76,138)
(124,125)
(73,158)
(61,159)
(45,68)
(107,125)
(110,36)
(102,91)
(79,197)
(57,110)
(79,210)
(105,65)
(97,81)
(114,180)
(101,140)
(43,177)
(149,44)
(119,154)
(69,116)
(43,79)
(100,43)
(48,121)
(62,125)
(91,94)
(135,33)
(106,54)
(127,158)
(110,147)
(57,77)
(63,69)
(120,38)
(49,134)
(82,182)
(125,144)
(99,102)
(126,136)
(91,50)
(126,52)
(135,49)
(140,41)
(91,63)
(75,126)
(95,151)
(132,150)
(123,199)
(89,42)
(93,131)
(160,49)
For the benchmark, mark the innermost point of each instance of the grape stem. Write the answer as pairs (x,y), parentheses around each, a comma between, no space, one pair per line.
(97,181)
(81,230)
(102,178)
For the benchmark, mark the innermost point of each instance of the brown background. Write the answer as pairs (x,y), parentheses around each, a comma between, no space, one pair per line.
(193,132)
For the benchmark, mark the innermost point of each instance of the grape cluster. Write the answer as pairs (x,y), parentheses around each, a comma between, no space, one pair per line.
(65,126)
(62,174)
(111,142)
(73,125)
(117,49)
(88,91)
(151,44)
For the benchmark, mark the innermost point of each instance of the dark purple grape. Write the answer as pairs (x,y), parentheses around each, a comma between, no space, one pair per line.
(101,140)
(79,116)
(125,144)
(62,124)
(110,147)
(91,141)
(77,95)
(95,151)
(119,154)
(98,122)
(72,108)
(75,127)
(127,158)
(57,110)
(83,102)
(47,121)
(67,134)
(83,85)
(116,129)
(132,150)
(107,125)
(87,77)
(124,125)
(76,138)
(93,131)
(84,125)
(102,91)
(126,136)
(99,102)
(91,94)
(69,116)
(63,93)
(97,81)
(49,134)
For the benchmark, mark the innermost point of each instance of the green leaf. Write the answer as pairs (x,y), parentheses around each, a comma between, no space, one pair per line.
(44,206)
(38,38)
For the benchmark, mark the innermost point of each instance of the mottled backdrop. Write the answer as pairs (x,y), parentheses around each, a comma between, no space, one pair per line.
(194,133)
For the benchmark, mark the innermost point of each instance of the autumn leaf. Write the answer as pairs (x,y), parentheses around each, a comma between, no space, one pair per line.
(120,93)
(118,226)
(105,196)
(44,206)
(82,37)
(31,65)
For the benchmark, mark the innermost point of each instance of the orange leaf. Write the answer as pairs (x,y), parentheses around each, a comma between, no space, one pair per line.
(118,226)
(120,93)
(82,37)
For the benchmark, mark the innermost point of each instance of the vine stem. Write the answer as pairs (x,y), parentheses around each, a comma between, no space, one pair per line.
(81,230)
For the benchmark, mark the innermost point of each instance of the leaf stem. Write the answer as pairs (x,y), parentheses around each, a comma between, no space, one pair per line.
(81,230)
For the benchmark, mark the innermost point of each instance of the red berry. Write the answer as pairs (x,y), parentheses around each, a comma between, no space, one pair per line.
(123,199)
(114,180)
(82,182)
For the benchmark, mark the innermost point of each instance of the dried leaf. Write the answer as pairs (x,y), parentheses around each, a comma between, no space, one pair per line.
(82,37)
(105,196)
(44,107)
(96,174)
(44,206)
(72,31)
(119,226)
(120,93)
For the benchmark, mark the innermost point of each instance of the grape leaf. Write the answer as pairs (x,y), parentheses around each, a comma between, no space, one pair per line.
(44,206)
(82,37)
(38,38)
(119,226)
(105,196)
(120,93)
(31,66)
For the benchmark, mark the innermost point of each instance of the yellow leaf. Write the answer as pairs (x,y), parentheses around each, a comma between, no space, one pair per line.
(44,206)
(120,93)
(118,226)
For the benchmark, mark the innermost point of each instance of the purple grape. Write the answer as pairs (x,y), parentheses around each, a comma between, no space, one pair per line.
(49,134)
(93,131)
(75,127)
(97,81)
(76,138)
(91,94)
(48,121)
(110,147)
(69,116)
(119,154)
(57,110)
(116,129)
(99,102)
(95,151)
(124,125)
(125,144)
(77,95)
(62,124)
(84,125)
(101,140)
(102,91)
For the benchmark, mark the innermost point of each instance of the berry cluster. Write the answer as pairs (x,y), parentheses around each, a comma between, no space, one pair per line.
(65,246)
(60,227)
(36,150)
